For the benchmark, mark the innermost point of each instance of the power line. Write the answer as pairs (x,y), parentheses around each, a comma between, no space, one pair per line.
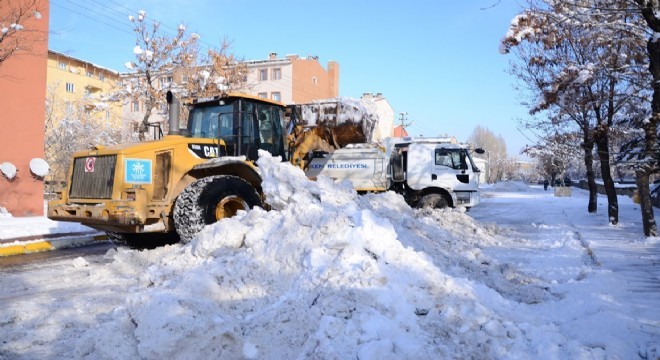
(75,11)
(102,10)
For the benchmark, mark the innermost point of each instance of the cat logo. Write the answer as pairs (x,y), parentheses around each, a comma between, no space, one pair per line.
(211,151)
(204,151)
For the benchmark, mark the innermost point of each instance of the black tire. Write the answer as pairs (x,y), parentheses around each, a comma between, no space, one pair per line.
(143,240)
(210,199)
(433,201)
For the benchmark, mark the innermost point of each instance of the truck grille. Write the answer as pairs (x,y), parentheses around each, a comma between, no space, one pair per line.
(93,177)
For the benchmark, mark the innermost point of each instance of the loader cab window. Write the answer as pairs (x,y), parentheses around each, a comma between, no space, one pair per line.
(245,125)
(452,158)
(211,121)
(268,126)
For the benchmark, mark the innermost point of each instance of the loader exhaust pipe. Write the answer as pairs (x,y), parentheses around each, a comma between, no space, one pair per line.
(173,113)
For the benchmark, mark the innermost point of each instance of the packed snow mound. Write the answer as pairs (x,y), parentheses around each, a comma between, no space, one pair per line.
(510,186)
(337,113)
(326,274)
(4,214)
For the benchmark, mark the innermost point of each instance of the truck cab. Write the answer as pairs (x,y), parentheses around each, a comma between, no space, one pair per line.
(428,172)
(434,166)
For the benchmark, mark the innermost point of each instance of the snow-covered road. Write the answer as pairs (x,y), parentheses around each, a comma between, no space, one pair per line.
(329,274)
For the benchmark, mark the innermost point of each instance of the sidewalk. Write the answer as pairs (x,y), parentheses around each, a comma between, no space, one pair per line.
(22,235)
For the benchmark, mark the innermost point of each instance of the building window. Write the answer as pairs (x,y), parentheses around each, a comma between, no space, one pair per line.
(315,81)
(277,96)
(135,106)
(277,74)
(263,74)
(107,114)
(101,77)
(70,87)
(263,95)
(62,66)
(89,74)
(184,78)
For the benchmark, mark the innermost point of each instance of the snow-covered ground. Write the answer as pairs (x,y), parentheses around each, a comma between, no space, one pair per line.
(328,274)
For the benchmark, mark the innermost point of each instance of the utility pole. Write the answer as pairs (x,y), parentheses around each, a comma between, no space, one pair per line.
(403,117)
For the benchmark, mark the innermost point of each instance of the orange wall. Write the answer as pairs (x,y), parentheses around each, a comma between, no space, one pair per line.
(22,104)
(304,89)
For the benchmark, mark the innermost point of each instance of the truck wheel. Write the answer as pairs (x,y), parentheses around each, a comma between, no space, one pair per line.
(210,199)
(433,201)
(143,241)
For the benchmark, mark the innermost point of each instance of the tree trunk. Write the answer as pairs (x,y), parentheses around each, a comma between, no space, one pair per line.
(144,126)
(588,147)
(644,192)
(602,142)
(651,146)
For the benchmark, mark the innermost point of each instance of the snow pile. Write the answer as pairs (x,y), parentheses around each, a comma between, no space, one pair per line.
(4,214)
(342,111)
(510,186)
(325,274)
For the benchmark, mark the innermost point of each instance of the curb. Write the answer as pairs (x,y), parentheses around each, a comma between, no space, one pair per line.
(28,245)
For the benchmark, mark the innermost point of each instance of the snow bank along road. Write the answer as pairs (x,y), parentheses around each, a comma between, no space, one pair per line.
(22,235)
(328,274)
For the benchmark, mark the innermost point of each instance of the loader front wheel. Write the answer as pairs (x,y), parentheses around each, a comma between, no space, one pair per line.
(210,199)
(433,201)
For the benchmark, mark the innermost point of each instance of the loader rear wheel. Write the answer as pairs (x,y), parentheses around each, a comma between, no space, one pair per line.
(433,201)
(210,199)
(143,241)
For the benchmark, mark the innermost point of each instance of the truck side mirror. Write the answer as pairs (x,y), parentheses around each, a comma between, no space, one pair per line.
(479,151)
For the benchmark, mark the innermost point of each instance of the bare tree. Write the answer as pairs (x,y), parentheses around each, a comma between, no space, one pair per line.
(583,63)
(556,156)
(72,126)
(221,71)
(647,147)
(496,155)
(14,16)
(157,54)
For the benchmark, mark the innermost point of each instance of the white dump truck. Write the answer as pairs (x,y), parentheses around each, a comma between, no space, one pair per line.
(428,172)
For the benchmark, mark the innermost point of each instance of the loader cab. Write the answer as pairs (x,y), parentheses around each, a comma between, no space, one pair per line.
(242,124)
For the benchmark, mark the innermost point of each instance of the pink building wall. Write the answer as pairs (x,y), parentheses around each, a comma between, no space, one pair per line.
(22,119)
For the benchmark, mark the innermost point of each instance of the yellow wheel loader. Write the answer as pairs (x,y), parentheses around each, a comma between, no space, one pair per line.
(174,186)
(168,189)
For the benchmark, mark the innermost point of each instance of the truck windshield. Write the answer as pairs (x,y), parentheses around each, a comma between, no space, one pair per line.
(453,158)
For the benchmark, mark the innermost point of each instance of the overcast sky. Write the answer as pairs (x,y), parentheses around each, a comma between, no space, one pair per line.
(437,61)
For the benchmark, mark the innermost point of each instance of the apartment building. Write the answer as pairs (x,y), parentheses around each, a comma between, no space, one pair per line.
(23,88)
(81,89)
(293,79)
